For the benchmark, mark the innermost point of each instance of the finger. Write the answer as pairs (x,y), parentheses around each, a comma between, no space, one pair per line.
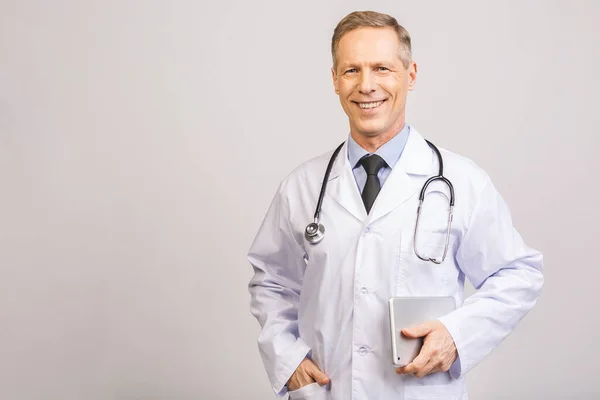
(437,368)
(318,375)
(442,366)
(402,370)
(416,365)
(417,331)
(299,379)
(408,369)
(305,379)
(303,375)
(427,369)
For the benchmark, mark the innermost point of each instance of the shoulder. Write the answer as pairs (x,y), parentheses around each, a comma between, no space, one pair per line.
(456,161)
(464,173)
(456,167)
(308,172)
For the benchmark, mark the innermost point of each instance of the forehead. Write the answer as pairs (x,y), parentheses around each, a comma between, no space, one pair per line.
(368,45)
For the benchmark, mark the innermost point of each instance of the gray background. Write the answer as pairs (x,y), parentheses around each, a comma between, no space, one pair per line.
(141,143)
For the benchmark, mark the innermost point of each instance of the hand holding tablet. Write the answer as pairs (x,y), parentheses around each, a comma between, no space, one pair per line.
(420,314)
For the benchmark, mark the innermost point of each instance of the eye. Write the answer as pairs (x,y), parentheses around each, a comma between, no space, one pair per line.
(383,69)
(349,71)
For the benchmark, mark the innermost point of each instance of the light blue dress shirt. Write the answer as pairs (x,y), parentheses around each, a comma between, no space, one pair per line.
(390,152)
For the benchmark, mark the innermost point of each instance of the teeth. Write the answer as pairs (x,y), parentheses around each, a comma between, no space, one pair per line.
(370,105)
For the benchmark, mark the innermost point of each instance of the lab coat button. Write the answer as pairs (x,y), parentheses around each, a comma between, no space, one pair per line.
(362,351)
(364,291)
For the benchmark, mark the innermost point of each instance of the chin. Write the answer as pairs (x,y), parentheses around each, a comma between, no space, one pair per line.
(371,129)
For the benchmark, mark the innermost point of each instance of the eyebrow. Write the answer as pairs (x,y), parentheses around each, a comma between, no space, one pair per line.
(373,64)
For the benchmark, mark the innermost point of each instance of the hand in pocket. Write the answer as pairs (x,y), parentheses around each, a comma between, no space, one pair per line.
(306,373)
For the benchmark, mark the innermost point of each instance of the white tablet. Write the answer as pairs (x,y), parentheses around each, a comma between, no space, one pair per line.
(409,311)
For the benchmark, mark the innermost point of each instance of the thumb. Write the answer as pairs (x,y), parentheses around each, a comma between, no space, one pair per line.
(418,331)
(318,375)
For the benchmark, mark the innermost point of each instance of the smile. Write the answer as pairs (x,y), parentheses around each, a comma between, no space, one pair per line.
(371,105)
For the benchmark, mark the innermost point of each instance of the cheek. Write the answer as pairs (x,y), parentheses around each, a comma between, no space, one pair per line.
(346,105)
(399,101)
(344,93)
(396,88)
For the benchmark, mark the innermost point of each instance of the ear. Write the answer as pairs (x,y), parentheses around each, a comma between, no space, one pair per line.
(412,75)
(335,81)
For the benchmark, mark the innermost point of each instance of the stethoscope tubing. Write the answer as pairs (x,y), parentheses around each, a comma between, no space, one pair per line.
(315,231)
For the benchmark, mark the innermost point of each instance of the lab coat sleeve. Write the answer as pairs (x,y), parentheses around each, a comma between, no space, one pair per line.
(506,273)
(278,263)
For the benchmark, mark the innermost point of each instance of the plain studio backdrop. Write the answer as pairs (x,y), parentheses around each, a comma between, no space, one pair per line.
(142,142)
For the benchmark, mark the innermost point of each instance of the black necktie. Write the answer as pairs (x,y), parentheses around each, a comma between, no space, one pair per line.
(372,164)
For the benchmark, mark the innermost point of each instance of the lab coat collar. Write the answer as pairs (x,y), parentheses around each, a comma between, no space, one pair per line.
(416,159)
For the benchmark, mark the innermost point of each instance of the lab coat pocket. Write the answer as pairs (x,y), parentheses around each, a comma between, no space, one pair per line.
(312,391)
(425,278)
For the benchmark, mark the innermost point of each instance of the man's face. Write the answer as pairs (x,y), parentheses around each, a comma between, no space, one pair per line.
(372,82)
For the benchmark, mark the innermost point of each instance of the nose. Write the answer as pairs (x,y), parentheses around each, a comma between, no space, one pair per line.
(367,82)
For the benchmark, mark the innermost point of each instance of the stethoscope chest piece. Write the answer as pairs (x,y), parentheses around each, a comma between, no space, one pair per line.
(314,232)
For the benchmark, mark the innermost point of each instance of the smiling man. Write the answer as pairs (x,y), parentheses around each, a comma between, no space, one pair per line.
(321,294)
(372,74)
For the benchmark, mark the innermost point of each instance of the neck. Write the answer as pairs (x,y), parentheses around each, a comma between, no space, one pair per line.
(372,142)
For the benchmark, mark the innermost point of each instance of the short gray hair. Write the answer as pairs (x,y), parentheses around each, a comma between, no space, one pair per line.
(372,19)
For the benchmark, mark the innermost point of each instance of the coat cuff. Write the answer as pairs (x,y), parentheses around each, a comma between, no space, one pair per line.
(456,367)
(294,356)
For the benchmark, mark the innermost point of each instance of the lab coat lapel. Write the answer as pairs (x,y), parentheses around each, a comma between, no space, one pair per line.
(342,186)
(403,182)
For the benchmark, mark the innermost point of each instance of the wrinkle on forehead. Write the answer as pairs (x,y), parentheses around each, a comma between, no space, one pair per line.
(369,47)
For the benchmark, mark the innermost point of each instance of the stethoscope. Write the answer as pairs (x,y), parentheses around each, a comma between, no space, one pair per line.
(315,231)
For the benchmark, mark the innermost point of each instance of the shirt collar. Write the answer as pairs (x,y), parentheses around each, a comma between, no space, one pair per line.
(390,151)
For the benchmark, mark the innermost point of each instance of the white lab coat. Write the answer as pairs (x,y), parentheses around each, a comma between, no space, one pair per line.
(329,300)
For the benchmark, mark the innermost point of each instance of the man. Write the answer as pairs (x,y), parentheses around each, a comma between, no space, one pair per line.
(323,307)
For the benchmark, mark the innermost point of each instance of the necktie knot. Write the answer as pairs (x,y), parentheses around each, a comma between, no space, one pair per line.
(372,164)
